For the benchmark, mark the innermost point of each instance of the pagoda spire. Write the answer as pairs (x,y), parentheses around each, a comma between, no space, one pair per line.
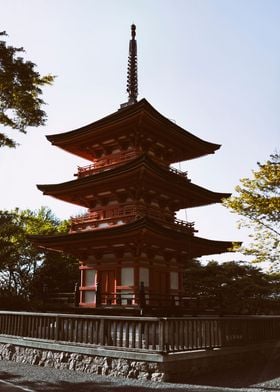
(132,79)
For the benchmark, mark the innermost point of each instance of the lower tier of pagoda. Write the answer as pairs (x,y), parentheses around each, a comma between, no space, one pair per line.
(142,261)
(130,284)
(139,233)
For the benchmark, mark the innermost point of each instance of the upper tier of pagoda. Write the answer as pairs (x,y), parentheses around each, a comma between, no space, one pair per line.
(138,126)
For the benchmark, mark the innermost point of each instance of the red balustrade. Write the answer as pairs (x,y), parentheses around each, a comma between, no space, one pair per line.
(126,214)
(107,162)
(113,160)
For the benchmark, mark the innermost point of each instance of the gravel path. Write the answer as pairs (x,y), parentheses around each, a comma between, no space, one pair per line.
(260,378)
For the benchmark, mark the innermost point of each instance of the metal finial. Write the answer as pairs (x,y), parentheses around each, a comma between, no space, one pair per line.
(132,79)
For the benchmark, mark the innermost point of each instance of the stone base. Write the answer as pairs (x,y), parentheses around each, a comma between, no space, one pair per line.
(130,364)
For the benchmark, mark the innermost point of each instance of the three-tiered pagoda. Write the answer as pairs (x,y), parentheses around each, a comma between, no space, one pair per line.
(130,239)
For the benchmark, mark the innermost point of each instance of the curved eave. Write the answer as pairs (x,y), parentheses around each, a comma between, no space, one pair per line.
(77,243)
(141,112)
(200,196)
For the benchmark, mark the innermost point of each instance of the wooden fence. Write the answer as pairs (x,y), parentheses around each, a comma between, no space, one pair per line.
(156,334)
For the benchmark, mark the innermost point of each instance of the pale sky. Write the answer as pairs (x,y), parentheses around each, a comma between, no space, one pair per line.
(213,66)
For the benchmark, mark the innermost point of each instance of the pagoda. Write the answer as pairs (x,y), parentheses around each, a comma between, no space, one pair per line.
(130,241)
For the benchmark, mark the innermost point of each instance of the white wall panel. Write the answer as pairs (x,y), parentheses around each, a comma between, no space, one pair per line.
(89,279)
(144,276)
(174,280)
(127,276)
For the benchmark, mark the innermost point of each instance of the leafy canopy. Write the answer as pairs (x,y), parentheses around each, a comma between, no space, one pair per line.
(258,202)
(232,287)
(20,262)
(20,92)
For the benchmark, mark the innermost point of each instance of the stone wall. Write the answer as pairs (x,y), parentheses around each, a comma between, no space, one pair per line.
(120,367)
(131,364)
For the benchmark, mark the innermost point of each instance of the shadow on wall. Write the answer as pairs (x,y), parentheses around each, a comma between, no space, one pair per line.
(262,376)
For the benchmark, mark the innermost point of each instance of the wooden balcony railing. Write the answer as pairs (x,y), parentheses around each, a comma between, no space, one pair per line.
(147,334)
(128,213)
(179,172)
(113,160)
(107,217)
(107,162)
(145,300)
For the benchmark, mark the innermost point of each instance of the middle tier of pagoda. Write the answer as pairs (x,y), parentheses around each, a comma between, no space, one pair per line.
(135,189)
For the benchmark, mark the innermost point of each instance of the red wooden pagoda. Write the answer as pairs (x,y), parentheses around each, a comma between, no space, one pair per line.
(130,239)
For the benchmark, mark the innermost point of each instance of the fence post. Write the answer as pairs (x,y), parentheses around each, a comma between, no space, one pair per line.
(162,328)
(45,295)
(76,295)
(142,298)
(223,328)
(98,294)
(102,332)
(57,327)
(118,299)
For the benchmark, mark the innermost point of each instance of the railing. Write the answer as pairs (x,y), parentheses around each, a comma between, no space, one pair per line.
(127,213)
(145,300)
(142,333)
(108,213)
(187,225)
(113,160)
(179,172)
(106,163)
(110,216)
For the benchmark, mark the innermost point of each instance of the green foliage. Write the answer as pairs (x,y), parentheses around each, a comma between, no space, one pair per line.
(258,202)
(57,274)
(13,302)
(21,264)
(20,92)
(232,287)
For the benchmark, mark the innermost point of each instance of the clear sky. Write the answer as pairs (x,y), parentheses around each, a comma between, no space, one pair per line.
(213,66)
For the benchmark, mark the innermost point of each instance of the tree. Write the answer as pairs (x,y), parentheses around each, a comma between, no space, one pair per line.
(10,230)
(57,274)
(20,92)
(21,264)
(232,287)
(258,202)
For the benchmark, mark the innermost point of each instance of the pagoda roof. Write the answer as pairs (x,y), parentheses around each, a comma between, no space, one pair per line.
(157,177)
(140,118)
(145,230)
